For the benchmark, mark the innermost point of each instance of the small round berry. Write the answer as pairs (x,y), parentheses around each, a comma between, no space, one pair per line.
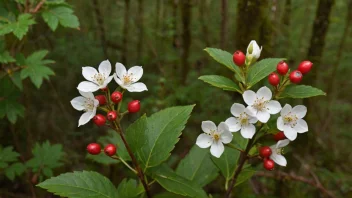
(101,99)
(279,136)
(274,79)
(116,97)
(296,76)
(111,115)
(134,106)
(265,151)
(305,66)
(268,164)
(110,149)
(99,120)
(93,148)
(239,58)
(282,68)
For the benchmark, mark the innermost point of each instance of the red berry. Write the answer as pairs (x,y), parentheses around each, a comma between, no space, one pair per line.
(274,79)
(110,149)
(305,66)
(279,136)
(134,106)
(111,115)
(99,120)
(93,148)
(116,97)
(101,99)
(239,58)
(296,76)
(282,68)
(268,164)
(265,151)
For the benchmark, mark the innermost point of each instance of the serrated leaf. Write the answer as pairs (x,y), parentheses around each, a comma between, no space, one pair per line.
(129,189)
(301,91)
(221,82)
(245,174)
(153,138)
(227,162)
(174,183)
(14,170)
(5,57)
(168,195)
(80,185)
(18,28)
(198,167)
(7,155)
(60,15)
(8,103)
(261,70)
(16,79)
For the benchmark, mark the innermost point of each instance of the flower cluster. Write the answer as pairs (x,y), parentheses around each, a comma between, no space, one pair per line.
(99,79)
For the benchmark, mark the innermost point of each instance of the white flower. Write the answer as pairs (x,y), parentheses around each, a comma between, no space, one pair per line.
(86,103)
(243,120)
(128,79)
(260,103)
(276,152)
(96,80)
(215,137)
(253,50)
(291,122)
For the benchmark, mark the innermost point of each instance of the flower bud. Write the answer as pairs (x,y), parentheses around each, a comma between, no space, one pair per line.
(253,52)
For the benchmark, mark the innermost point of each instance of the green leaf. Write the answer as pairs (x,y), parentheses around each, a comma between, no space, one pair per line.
(174,183)
(168,195)
(16,79)
(35,68)
(221,82)
(239,141)
(198,167)
(129,189)
(9,106)
(7,155)
(301,91)
(227,162)
(80,185)
(5,57)
(245,174)
(62,15)
(261,70)
(14,170)
(20,27)
(153,138)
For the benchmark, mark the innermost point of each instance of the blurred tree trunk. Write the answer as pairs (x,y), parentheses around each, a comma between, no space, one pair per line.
(186,39)
(140,23)
(100,23)
(125,32)
(223,28)
(157,16)
(203,9)
(175,42)
(286,30)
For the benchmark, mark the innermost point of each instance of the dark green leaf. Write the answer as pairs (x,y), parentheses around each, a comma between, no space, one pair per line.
(5,57)
(18,28)
(245,174)
(8,101)
(129,189)
(16,79)
(80,185)
(221,82)
(301,91)
(7,155)
(227,162)
(168,195)
(261,70)
(63,15)
(14,170)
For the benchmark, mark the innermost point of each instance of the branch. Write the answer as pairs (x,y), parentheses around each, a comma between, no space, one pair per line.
(37,8)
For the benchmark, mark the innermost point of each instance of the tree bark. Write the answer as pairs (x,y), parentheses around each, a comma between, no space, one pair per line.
(101,28)
(175,42)
(140,23)
(203,9)
(186,39)
(286,30)
(125,32)
(223,28)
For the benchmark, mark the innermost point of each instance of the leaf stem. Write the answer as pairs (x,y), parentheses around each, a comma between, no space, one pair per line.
(125,163)
(234,147)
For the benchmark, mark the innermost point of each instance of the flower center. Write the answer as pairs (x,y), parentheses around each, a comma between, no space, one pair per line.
(259,104)
(215,135)
(88,104)
(279,151)
(99,78)
(290,119)
(127,79)
(244,120)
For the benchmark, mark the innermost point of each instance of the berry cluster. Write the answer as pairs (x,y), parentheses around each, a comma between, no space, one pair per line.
(265,152)
(95,149)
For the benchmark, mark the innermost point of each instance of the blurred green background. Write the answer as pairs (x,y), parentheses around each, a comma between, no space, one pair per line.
(167,38)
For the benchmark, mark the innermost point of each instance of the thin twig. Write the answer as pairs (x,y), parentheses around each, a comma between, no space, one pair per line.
(125,163)
(37,8)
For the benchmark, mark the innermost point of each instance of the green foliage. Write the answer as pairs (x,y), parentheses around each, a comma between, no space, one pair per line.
(36,69)
(174,183)
(301,91)
(221,82)
(16,169)
(9,162)
(19,28)
(80,185)
(245,174)
(5,57)
(261,70)
(198,167)
(227,162)
(129,188)
(153,138)
(60,15)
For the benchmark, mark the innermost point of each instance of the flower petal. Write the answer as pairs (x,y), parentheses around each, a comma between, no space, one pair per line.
(280,123)
(107,81)
(233,124)
(87,94)
(105,68)
(282,143)
(208,126)
(249,97)
(301,126)
(84,119)
(287,109)
(290,133)
(88,73)
(216,149)
(248,131)
(204,140)
(118,80)
(264,93)
(278,159)
(226,137)
(136,87)
(223,127)
(86,86)
(251,111)
(120,70)
(253,120)
(136,72)
(237,109)
(273,107)
(263,116)
(300,111)
(78,103)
